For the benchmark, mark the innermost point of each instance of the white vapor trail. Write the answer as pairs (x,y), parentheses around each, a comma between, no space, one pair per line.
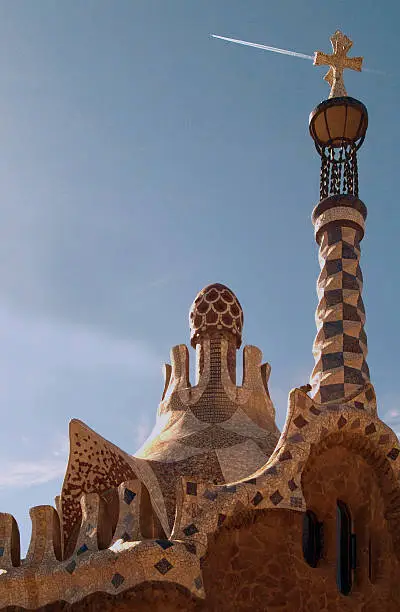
(277,50)
(265,47)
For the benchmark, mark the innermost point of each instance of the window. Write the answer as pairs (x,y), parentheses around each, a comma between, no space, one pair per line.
(312,539)
(346,549)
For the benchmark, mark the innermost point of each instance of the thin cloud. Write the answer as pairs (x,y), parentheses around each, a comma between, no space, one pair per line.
(265,47)
(282,51)
(29,473)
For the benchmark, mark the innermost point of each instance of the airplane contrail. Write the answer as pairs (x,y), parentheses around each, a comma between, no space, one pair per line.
(265,47)
(277,50)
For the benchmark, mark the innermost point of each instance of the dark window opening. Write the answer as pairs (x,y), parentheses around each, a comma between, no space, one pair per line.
(346,549)
(312,538)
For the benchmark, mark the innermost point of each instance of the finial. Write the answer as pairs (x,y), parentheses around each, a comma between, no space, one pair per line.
(337,62)
(216,309)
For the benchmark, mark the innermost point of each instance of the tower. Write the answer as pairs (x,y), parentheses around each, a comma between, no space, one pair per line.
(338,127)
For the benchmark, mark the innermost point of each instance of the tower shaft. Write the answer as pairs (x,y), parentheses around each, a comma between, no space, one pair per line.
(340,346)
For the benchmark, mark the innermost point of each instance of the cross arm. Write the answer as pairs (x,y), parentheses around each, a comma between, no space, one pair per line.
(322,59)
(354,63)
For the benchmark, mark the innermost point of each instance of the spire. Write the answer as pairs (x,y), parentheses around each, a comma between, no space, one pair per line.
(338,126)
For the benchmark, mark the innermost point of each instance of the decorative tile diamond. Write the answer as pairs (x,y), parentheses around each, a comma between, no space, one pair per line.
(257,499)
(384,439)
(359,405)
(292,485)
(341,422)
(285,456)
(370,429)
(231,489)
(297,437)
(272,471)
(221,519)
(191,547)
(71,567)
(276,498)
(82,549)
(393,454)
(129,496)
(164,544)
(315,410)
(191,488)
(300,421)
(126,536)
(190,530)
(251,481)
(117,580)
(163,566)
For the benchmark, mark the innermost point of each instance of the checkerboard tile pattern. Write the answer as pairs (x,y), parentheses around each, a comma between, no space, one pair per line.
(340,347)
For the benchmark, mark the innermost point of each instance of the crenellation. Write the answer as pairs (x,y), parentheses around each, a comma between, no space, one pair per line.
(93,533)
(128,526)
(180,366)
(45,544)
(10,553)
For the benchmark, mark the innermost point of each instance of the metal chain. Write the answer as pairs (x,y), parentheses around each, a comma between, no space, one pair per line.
(339,172)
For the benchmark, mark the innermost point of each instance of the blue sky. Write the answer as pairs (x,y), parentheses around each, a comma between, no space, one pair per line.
(140,160)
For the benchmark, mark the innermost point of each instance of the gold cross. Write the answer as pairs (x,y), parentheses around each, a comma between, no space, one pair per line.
(337,62)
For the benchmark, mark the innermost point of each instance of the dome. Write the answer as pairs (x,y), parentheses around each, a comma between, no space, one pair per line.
(216,308)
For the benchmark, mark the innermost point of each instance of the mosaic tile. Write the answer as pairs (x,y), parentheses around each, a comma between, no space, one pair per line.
(393,454)
(70,568)
(191,488)
(300,421)
(163,566)
(285,456)
(295,438)
(210,495)
(276,498)
(165,544)
(82,549)
(370,429)
(129,496)
(191,547)
(257,499)
(190,530)
(117,580)
(251,481)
